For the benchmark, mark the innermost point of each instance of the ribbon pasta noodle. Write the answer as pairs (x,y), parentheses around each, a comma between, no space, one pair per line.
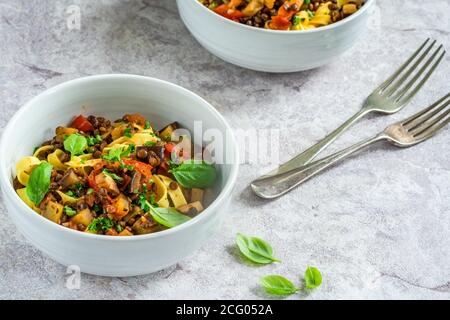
(24,168)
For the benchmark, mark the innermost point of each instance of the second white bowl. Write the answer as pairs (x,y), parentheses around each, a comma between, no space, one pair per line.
(271,50)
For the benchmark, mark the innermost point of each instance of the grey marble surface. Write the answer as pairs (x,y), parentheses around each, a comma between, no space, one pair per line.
(377,226)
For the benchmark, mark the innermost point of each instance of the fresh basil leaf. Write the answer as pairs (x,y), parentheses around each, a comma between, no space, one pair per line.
(255,249)
(75,144)
(278,285)
(313,278)
(168,217)
(39,182)
(195,174)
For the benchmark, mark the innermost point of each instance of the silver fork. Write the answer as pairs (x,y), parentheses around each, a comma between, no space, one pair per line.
(391,96)
(407,133)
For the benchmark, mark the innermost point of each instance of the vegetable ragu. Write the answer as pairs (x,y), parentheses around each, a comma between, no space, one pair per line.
(118,178)
(284,14)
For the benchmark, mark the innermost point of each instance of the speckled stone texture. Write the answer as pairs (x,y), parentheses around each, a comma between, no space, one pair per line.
(377,226)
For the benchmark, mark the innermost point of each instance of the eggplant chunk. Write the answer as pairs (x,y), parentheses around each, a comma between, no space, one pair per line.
(104,181)
(122,205)
(53,211)
(84,217)
(166,133)
(69,179)
(125,233)
(144,226)
(197,195)
(191,209)
(135,184)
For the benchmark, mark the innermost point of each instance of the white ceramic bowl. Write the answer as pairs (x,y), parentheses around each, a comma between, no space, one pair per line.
(112,96)
(271,50)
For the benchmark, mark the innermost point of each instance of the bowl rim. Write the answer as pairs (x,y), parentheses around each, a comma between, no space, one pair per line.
(221,197)
(365,7)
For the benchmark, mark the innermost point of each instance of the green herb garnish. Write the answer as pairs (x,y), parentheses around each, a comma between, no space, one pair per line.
(127,133)
(39,182)
(92,141)
(194,174)
(75,144)
(69,211)
(313,278)
(116,154)
(112,175)
(278,285)
(255,249)
(149,143)
(100,224)
(168,217)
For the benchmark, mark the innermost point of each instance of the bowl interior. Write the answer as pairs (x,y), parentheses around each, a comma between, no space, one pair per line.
(112,96)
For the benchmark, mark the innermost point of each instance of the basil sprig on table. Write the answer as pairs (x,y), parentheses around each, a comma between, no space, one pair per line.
(195,174)
(313,278)
(75,144)
(255,249)
(259,251)
(278,285)
(39,182)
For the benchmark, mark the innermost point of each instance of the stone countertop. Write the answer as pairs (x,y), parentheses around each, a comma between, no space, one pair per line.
(377,225)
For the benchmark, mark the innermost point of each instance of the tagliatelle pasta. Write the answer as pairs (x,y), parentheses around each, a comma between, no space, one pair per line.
(24,168)
(114,178)
(173,189)
(54,159)
(285,14)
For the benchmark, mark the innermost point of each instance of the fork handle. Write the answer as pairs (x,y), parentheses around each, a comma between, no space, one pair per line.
(308,155)
(275,186)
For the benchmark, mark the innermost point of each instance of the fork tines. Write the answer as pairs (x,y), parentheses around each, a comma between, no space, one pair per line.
(414,73)
(430,120)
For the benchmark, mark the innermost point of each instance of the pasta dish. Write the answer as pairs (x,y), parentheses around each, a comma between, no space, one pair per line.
(284,14)
(118,178)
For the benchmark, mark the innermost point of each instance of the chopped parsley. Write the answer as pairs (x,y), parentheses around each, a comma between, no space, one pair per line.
(149,143)
(97,208)
(112,175)
(146,204)
(78,186)
(119,228)
(70,193)
(116,154)
(127,133)
(92,141)
(100,224)
(69,211)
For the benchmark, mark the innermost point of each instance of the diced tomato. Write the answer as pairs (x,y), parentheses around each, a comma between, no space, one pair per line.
(136,118)
(169,147)
(280,23)
(143,168)
(82,123)
(230,13)
(92,183)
